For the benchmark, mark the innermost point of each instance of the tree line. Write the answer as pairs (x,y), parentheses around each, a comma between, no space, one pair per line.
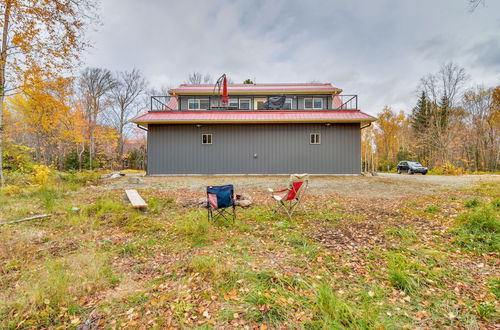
(451,128)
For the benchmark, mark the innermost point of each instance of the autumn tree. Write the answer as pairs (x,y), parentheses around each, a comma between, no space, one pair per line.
(41,109)
(95,87)
(125,97)
(391,135)
(483,123)
(48,34)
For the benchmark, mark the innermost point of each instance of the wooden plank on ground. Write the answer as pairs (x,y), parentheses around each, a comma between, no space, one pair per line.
(135,199)
(27,219)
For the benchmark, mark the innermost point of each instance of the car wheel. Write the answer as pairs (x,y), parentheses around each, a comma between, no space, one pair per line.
(424,173)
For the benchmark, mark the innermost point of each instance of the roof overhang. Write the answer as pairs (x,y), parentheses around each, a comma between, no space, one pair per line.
(253,117)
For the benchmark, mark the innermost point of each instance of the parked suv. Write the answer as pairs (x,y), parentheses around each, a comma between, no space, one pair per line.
(411,167)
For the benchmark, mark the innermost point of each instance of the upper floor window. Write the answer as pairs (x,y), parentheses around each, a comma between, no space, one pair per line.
(288,104)
(233,103)
(244,104)
(198,104)
(315,103)
(259,103)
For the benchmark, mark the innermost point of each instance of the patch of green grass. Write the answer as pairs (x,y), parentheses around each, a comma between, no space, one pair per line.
(479,229)
(401,232)
(494,286)
(471,203)
(432,209)
(402,273)
(337,313)
(48,197)
(485,310)
(157,204)
(194,227)
(59,283)
(128,249)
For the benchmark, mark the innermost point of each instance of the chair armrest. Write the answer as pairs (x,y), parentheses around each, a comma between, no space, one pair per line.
(277,191)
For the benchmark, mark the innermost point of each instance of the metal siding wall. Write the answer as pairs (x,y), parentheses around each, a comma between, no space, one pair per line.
(280,149)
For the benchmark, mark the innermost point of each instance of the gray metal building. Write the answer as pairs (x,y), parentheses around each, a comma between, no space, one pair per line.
(324,140)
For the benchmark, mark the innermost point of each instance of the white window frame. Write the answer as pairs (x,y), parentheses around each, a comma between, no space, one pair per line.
(209,137)
(234,100)
(256,101)
(317,138)
(199,103)
(312,101)
(249,103)
(291,103)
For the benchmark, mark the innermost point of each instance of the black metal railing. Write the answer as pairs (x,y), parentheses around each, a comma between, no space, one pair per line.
(338,102)
(160,103)
(345,102)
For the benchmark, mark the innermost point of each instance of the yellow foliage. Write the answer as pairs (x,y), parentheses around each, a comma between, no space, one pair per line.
(446,169)
(40,174)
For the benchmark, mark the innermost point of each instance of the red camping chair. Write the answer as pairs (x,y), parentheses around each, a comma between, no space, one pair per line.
(288,199)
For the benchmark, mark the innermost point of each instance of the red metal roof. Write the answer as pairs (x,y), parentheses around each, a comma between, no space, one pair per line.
(173,103)
(313,88)
(287,116)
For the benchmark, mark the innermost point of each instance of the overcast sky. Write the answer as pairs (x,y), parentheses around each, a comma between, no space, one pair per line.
(378,49)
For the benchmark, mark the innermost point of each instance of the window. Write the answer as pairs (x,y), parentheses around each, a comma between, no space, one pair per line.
(315,103)
(233,103)
(259,103)
(244,104)
(315,138)
(206,139)
(198,104)
(288,104)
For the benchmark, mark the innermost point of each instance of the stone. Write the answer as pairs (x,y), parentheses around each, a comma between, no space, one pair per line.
(135,180)
(243,203)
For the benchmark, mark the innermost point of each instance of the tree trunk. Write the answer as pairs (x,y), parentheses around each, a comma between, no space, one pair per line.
(3,62)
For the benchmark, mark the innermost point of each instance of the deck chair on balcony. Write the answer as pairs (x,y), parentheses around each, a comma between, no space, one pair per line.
(289,199)
(221,203)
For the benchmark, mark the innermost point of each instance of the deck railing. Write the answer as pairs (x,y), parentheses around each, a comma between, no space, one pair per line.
(160,103)
(339,102)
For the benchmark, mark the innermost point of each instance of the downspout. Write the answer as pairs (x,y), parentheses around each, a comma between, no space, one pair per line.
(369,124)
(143,128)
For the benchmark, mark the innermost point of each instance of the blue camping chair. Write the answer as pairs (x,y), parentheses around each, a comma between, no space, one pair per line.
(221,202)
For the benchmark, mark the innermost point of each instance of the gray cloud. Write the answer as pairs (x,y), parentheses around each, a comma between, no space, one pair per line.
(377,49)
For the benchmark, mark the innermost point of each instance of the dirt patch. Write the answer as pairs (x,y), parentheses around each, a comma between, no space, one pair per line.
(351,237)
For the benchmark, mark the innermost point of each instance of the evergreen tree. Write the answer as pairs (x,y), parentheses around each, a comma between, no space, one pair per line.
(442,113)
(421,114)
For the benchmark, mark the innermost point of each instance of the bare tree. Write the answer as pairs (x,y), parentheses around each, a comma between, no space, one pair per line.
(125,98)
(446,83)
(473,4)
(95,86)
(197,78)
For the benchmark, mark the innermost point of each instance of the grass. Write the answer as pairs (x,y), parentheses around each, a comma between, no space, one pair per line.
(171,268)
(479,229)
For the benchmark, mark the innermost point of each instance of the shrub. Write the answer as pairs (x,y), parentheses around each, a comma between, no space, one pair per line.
(446,169)
(40,174)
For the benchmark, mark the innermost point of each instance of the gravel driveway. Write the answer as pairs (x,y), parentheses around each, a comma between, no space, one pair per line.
(382,186)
